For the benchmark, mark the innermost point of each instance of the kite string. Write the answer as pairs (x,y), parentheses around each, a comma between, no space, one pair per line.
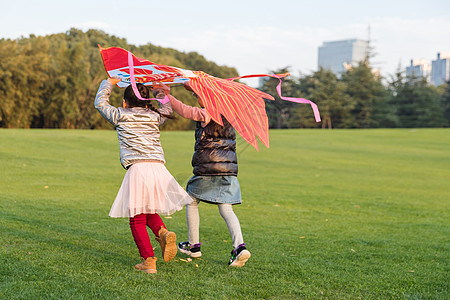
(133,82)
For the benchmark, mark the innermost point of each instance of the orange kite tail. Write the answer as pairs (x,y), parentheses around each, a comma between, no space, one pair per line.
(241,105)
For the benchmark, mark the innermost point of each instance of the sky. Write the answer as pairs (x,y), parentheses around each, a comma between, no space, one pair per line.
(254,36)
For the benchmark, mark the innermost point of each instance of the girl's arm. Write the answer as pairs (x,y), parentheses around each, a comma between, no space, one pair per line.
(164,109)
(101,103)
(189,112)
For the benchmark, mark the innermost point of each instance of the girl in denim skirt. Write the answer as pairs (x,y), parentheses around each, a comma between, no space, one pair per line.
(215,178)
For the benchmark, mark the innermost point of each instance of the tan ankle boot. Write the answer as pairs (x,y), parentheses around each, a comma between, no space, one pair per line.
(148,265)
(168,241)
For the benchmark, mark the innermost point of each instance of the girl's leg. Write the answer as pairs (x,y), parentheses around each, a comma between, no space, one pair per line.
(193,222)
(155,223)
(140,235)
(234,227)
(166,239)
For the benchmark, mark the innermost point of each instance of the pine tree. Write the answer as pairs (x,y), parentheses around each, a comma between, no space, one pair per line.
(365,88)
(328,92)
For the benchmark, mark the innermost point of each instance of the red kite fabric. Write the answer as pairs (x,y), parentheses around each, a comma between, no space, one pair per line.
(241,105)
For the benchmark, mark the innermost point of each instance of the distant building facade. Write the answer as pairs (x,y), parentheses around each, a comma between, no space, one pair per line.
(338,56)
(419,68)
(440,69)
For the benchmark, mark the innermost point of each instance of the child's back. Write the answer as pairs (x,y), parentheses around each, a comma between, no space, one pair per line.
(137,127)
(148,189)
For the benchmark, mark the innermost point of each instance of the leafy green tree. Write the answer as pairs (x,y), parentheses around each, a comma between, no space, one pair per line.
(385,110)
(417,103)
(446,103)
(9,74)
(279,112)
(366,89)
(23,73)
(329,93)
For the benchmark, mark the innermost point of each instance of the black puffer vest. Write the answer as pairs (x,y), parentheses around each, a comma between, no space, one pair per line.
(215,150)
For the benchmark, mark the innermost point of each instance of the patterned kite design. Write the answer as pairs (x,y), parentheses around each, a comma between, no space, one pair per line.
(241,105)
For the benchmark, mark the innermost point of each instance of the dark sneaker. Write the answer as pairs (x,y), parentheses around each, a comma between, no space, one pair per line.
(239,256)
(191,250)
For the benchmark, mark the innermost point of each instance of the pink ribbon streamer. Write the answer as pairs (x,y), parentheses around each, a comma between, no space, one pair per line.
(133,82)
(278,88)
(300,100)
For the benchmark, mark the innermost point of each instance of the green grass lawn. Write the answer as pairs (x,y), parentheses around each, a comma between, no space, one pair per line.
(329,214)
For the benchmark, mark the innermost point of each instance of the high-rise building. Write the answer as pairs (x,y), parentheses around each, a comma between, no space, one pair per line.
(440,69)
(338,56)
(419,68)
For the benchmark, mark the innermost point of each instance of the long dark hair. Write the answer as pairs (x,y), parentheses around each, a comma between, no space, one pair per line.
(133,101)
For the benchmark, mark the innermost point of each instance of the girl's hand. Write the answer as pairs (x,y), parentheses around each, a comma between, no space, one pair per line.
(160,91)
(114,80)
(187,86)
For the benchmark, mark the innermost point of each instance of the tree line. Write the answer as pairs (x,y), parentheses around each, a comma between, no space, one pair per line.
(361,98)
(51,82)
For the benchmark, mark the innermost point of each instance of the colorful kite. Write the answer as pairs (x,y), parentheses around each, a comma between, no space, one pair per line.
(241,105)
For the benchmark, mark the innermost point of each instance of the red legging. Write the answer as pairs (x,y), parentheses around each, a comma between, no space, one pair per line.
(138,228)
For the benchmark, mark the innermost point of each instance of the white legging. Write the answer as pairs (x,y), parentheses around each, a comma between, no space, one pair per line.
(227,213)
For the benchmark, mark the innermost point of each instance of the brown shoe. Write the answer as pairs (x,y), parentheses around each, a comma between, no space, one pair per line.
(148,265)
(168,241)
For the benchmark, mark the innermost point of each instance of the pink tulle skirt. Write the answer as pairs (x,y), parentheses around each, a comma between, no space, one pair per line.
(148,188)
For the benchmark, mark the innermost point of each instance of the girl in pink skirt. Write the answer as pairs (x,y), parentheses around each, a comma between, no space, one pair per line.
(148,189)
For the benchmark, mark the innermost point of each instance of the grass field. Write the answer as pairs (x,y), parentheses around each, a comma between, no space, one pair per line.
(328,214)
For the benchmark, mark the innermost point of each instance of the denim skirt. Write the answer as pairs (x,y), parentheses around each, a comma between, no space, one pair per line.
(215,189)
